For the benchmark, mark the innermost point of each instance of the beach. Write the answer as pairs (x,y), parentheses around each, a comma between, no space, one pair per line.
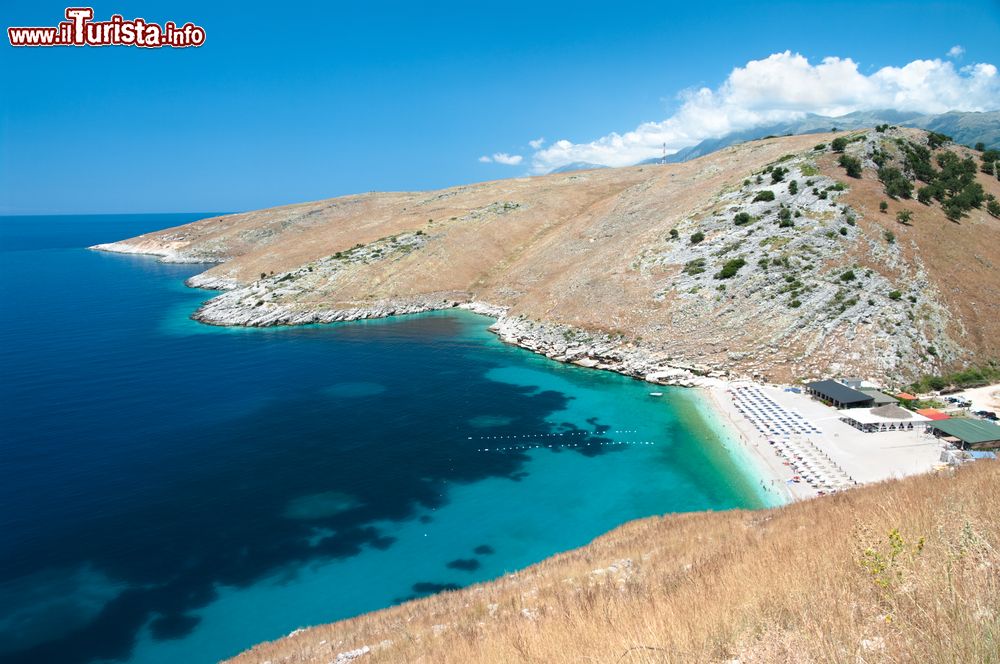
(861,457)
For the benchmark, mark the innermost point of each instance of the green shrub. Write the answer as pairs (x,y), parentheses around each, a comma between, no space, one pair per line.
(883,207)
(697,266)
(838,144)
(697,237)
(848,276)
(850,164)
(904,216)
(795,304)
(843,231)
(936,140)
(820,146)
(764,195)
(730,268)
(793,187)
(993,208)
(895,295)
(890,237)
(674,234)
(896,184)
(742,218)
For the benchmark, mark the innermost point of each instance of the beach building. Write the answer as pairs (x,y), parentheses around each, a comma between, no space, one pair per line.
(933,413)
(879,398)
(889,417)
(968,433)
(839,395)
(906,396)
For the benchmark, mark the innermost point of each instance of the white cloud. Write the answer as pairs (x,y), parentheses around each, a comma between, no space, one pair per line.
(956,51)
(484,160)
(507,159)
(784,87)
(537,143)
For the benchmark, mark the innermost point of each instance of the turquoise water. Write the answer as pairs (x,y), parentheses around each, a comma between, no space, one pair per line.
(178,492)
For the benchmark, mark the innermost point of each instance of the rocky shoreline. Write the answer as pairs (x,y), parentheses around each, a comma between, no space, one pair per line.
(164,253)
(561,343)
(237,305)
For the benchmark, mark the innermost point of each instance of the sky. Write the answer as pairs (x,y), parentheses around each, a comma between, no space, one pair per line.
(301,101)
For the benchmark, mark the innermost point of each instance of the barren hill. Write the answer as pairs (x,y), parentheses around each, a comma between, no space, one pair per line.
(900,572)
(605,267)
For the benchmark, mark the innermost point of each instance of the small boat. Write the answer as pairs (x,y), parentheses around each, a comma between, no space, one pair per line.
(656,394)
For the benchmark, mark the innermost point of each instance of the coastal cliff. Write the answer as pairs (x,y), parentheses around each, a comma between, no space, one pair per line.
(763,260)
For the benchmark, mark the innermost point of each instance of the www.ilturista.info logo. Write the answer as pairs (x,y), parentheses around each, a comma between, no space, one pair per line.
(79,29)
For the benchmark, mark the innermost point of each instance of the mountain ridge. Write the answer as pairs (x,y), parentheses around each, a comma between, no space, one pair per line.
(985,128)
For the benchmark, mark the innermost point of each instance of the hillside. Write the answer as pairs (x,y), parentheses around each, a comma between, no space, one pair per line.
(907,571)
(605,267)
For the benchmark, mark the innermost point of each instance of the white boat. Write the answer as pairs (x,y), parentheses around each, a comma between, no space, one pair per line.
(656,394)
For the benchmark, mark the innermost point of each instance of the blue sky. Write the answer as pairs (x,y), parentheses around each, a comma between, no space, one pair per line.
(300,101)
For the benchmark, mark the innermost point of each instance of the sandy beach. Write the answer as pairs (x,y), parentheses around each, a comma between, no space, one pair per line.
(860,457)
(774,476)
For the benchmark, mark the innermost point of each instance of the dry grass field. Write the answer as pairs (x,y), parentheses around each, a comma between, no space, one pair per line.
(905,571)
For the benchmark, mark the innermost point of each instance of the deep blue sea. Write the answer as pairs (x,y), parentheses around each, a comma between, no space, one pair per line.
(174,492)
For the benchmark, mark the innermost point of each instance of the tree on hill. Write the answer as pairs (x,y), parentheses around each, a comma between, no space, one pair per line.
(896,184)
(993,208)
(904,216)
(838,144)
(936,140)
(851,164)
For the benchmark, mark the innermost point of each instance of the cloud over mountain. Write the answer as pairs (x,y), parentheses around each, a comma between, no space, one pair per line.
(786,86)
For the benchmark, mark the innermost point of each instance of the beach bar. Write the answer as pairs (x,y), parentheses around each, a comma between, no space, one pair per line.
(977,434)
(883,418)
(839,395)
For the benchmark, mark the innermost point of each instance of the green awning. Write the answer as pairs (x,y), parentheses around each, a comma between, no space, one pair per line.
(968,430)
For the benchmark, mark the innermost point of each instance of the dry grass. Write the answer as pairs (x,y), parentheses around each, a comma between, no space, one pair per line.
(906,571)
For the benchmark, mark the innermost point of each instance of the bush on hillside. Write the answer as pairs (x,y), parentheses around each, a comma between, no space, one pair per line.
(730,268)
(896,184)
(851,164)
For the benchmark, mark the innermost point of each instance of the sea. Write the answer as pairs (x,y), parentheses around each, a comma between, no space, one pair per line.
(177,492)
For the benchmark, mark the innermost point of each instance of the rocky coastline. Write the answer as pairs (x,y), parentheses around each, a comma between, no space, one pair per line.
(237,305)
(562,343)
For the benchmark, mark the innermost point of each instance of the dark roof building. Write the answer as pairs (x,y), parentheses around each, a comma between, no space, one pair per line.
(838,395)
(880,398)
(978,434)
